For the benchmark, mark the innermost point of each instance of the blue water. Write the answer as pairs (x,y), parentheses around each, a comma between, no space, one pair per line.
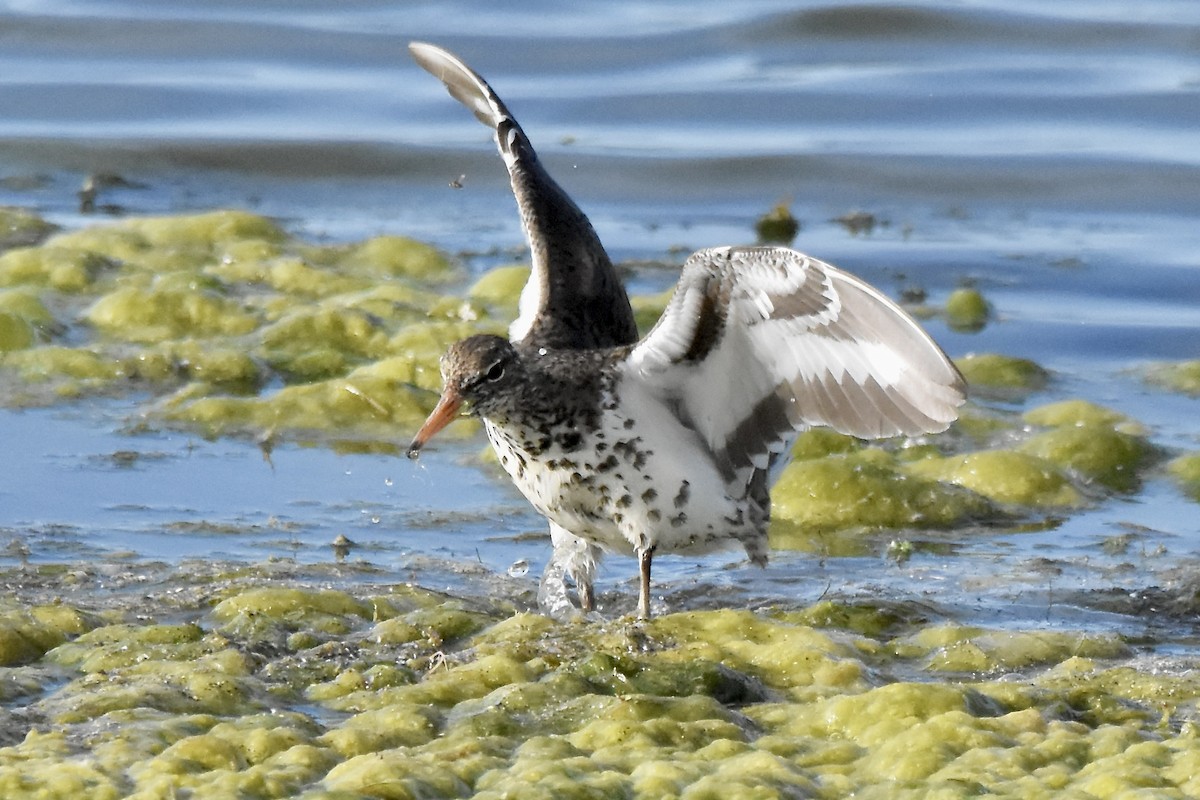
(1047,153)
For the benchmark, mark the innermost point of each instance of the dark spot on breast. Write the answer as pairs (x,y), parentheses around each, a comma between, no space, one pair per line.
(685,492)
(679,520)
(653,515)
(624,501)
(570,441)
(649,495)
(629,423)
(607,464)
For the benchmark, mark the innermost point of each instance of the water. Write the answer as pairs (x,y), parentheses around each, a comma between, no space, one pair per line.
(1047,154)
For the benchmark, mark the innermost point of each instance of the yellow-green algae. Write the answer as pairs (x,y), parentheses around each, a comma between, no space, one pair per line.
(1181,376)
(868,489)
(24,320)
(21,227)
(1004,476)
(211,703)
(1185,469)
(777,226)
(967,310)
(996,372)
(1096,452)
(1072,450)
(216,306)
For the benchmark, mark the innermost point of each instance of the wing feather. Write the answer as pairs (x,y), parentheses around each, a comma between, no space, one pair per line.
(574,298)
(759,343)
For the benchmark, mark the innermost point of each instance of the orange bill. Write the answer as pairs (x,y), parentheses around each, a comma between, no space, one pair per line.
(445,412)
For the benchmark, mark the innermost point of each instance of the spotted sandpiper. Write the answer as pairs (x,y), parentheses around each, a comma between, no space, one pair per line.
(573,299)
(671,444)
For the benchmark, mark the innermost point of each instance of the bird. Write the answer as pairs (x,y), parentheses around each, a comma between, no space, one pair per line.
(671,443)
(573,298)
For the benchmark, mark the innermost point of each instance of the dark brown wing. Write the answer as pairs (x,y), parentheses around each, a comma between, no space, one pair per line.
(573,299)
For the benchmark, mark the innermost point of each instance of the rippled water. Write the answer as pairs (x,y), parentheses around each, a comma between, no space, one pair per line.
(1046,153)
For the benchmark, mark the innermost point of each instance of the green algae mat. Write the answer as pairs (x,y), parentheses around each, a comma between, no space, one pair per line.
(259,688)
(275,680)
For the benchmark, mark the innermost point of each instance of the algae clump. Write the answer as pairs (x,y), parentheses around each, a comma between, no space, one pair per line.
(1002,373)
(158,313)
(697,704)
(1097,453)
(777,226)
(861,490)
(19,227)
(16,333)
(1079,412)
(1097,444)
(1004,476)
(217,306)
(1182,376)
(396,256)
(1185,470)
(500,287)
(967,310)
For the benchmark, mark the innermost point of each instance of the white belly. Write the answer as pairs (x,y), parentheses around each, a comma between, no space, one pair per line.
(642,480)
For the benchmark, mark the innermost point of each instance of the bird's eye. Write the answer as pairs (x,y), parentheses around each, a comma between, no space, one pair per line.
(495,372)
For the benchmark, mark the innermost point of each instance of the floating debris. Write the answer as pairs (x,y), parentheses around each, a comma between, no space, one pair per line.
(341,547)
(777,226)
(857,222)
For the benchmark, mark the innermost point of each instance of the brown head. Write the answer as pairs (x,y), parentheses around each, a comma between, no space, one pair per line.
(480,372)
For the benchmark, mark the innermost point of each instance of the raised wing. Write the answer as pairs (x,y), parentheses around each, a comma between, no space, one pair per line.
(574,299)
(758,343)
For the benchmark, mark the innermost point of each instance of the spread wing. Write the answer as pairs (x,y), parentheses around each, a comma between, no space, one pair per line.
(758,343)
(574,299)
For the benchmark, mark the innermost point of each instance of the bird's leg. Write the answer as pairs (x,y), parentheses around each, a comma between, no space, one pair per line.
(573,557)
(552,591)
(587,595)
(644,557)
